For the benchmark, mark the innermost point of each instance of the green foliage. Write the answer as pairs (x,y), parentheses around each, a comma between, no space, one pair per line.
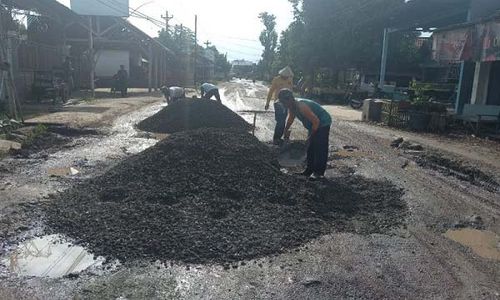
(39,130)
(269,39)
(423,102)
(342,34)
(419,90)
(181,41)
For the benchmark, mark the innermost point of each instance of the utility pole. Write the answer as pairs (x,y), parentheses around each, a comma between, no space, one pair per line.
(167,18)
(207,43)
(91,58)
(7,85)
(385,51)
(195,47)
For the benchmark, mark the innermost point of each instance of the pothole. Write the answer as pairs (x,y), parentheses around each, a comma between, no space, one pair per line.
(484,243)
(49,256)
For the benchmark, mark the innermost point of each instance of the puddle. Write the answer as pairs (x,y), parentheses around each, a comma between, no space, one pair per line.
(484,243)
(49,256)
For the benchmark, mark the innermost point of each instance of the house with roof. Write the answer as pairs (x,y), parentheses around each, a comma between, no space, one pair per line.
(47,32)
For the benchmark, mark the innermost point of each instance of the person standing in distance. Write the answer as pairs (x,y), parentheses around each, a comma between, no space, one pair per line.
(284,80)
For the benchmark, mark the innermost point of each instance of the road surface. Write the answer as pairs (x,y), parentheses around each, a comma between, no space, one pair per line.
(415,261)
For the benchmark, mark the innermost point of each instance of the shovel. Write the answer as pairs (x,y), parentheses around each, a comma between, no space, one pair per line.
(254,112)
(293,153)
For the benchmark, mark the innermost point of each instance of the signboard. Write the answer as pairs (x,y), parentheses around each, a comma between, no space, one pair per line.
(490,41)
(114,8)
(479,42)
(450,46)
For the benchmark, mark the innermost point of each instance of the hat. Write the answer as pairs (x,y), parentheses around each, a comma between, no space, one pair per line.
(286,72)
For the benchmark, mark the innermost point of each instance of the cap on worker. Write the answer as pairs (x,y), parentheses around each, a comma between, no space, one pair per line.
(286,72)
(285,94)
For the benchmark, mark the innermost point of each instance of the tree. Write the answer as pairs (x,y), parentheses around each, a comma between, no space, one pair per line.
(179,40)
(338,34)
(269,39)
(222,65)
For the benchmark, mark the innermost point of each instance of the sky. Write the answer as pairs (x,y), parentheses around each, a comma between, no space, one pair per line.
(231,25)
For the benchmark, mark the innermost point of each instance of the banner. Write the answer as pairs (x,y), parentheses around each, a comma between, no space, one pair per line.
(490,41)
(480,42)
(450,46)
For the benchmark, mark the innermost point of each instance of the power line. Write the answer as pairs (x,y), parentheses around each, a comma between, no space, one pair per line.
(167,18)
(240,45)
(133,13)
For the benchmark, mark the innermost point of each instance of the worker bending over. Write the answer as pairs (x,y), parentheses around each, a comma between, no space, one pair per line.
(282,81)
(173,93)
(209,90)
(317,121)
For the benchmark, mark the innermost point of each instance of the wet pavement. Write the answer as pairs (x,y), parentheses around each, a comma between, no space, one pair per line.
(424,259)
(49,256)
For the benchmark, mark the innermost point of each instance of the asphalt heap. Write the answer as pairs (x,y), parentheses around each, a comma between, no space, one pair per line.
(214,196)
(190,114)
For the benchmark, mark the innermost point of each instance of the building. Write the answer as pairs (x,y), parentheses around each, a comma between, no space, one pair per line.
(242,68)
(52,32)
(476,45)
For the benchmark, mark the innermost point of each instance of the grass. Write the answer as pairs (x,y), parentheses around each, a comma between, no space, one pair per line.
(39,130)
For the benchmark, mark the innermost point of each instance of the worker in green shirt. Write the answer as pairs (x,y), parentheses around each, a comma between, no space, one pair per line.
(317,121)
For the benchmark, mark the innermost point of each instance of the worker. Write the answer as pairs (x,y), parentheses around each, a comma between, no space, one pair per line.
(68,73)
(173,93)
(282,81)
(317,121)
(121,78)
(209,90)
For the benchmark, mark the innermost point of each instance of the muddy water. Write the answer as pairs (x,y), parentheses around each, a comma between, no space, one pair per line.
(484,243)
(49,256)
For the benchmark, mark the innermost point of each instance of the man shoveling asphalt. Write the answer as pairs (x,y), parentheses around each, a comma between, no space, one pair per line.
(317,121)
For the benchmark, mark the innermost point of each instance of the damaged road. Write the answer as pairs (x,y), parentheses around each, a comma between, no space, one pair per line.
(215,196)
(367,255)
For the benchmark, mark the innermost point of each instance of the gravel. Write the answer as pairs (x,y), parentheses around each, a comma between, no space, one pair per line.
(215,196)
(190,114)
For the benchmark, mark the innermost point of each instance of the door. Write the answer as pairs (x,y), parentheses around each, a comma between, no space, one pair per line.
(494,85)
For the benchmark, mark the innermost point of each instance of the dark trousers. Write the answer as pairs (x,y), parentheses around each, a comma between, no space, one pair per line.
(280,114)
(210,94)
(317,152)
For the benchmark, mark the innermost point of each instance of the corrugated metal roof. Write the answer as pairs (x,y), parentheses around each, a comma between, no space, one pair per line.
(58,11)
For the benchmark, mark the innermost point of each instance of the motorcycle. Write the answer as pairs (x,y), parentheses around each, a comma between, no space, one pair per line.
(352,95)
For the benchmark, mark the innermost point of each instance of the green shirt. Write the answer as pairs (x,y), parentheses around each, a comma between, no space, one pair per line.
(324,117)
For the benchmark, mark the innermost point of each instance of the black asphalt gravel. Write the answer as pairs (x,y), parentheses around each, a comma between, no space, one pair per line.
(214,196)
(190,114)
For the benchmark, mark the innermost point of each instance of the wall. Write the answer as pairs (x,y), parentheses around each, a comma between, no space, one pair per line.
(481,81)
(109,61)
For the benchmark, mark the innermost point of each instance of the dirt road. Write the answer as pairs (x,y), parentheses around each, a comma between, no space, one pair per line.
(415,261)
